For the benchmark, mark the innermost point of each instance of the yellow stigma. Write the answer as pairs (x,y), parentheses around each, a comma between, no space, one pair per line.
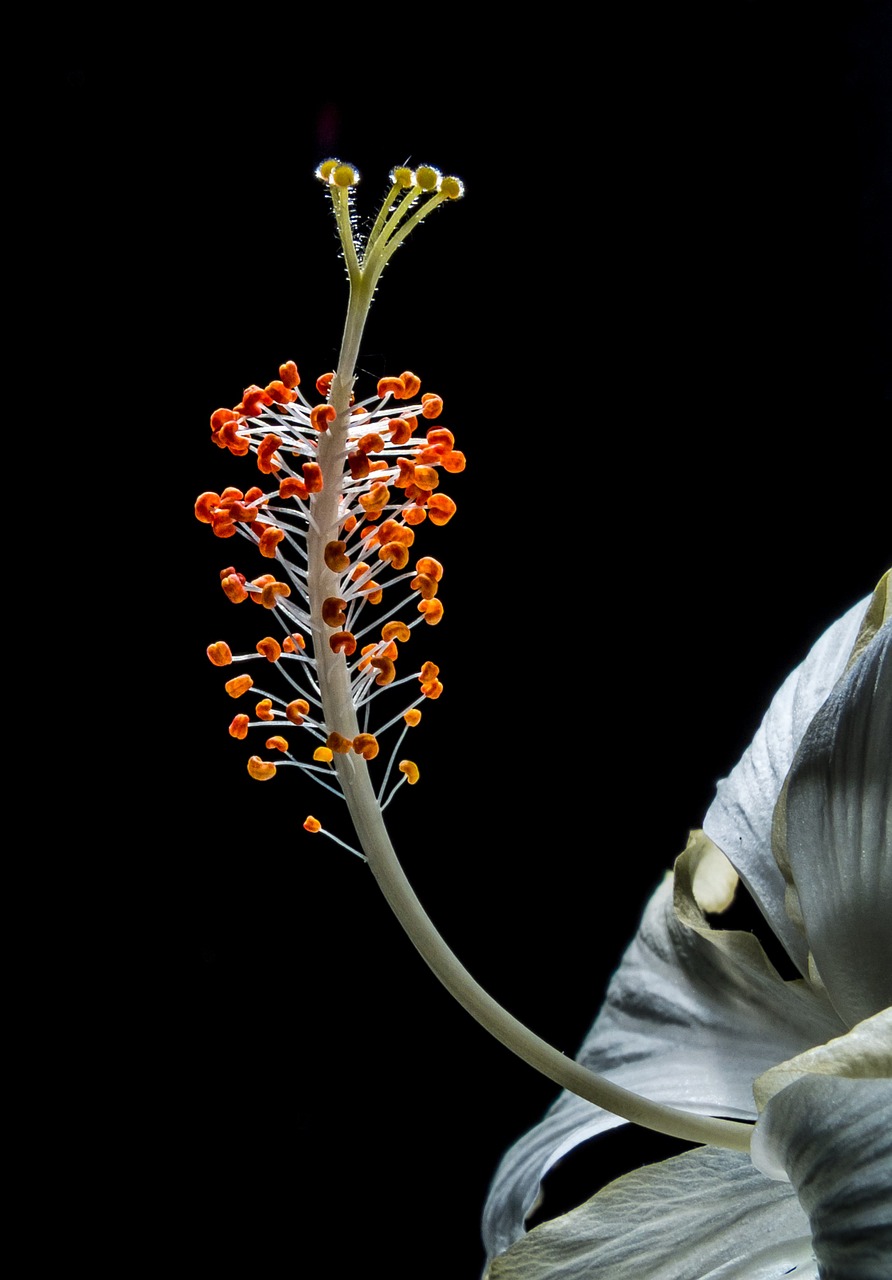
(402,177)
(426,178)
(452,188)
(335,173)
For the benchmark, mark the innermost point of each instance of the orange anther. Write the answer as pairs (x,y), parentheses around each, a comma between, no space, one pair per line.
(333,614)
(406,475)
(391,387)
(321,416)
(269,540)
(440,509)
(265,450)
(411,385)
(426,478)
(386,670)
(393,531)
(238,685)
(264,709)
(439,436)
(234,586)
(261,584)
(296,710)
(220,653)
(262,770)
(372,591)
(350,524)
(414,515)
(430,566)
(432,406)
(312,477)
(270,648)
(323,383)
(343,642)
(322,755)
(410,769)
(254,400)
(428,672)
(253,494)
(291,487)
(396,553)
(312,825)
(359,570)
(432,610)
(242,512)
(239,727)
(279,393)
(204,505)
(358,464)
(371,442)
(375,500)
(292,643)
(400,430)
(289,375)
(412,717)
(425,585)
(277,743)
(220,417)
(269,596)
(222,525)
(432,690)
(334,557)
(337,743)
(454,461)
(366,745)
(395,631)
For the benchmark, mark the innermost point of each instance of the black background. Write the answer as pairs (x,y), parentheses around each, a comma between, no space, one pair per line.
(660,323)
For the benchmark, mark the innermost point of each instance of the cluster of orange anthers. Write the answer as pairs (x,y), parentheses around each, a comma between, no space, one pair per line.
(387,477)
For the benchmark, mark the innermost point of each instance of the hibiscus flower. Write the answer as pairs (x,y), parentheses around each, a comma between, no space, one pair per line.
(698,1018)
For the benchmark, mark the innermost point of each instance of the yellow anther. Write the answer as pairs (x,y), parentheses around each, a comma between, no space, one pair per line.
(412,717)
(322,755)
(312,825)
(410,769)
(262,770)
(427,178)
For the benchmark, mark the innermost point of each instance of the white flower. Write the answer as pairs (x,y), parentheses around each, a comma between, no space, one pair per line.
(698,1018)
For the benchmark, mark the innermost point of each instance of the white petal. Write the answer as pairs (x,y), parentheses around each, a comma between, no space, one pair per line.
(704,1215)
(833,832)
(834,1138)
(692,1016)
(739,819)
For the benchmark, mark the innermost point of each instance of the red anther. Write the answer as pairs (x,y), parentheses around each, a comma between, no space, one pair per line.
(333,614)
(453,461)
(265,450)
(292,643)
(440,509)
(238,685)
(432,406)
(395,631)
(292,486)
(289,375)
(204,505)
(269,540)
(220,653)
(234,586)
(366,745)
(426,478)
(261,770)
(239,727)
(425,586)
(312,825)
(411,385)
(277,743)
(430,566)
(414,515)
(323,383)
(406,475)
(270,648)
(254,400)
(400,430)
(243,513)
(280,393)
(269,596)
(296,710)
(410,769)
(391,386)
(312,477)
(396,553)
(432,610)
(264,709)
(337,743)
(386,670)
(358,464)
(334,557)
(371,442)
(375,500)
(440,436)
(428,672)
(321,416)
(220,417)
(343,642)
(432,689)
